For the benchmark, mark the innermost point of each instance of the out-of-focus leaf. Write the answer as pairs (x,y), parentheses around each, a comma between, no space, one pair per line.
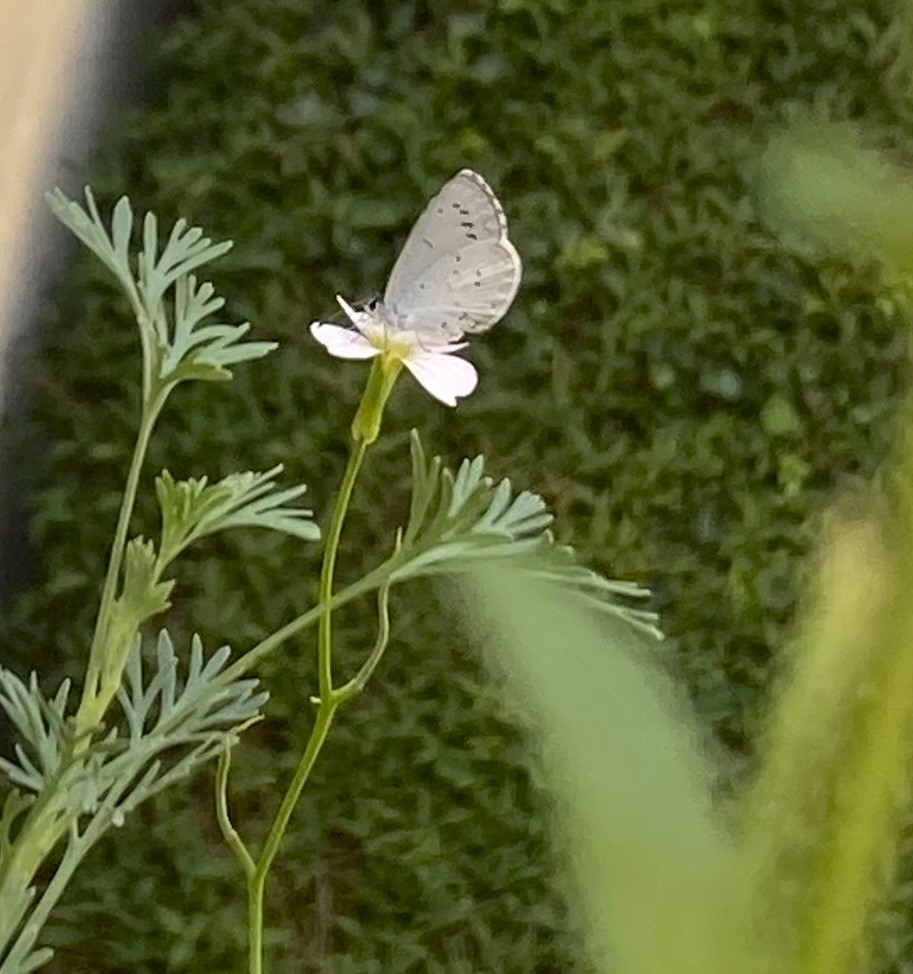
(630,774)
(820,183)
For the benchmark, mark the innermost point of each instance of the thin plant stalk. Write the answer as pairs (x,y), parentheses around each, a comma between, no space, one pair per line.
(93,705)
(365,429)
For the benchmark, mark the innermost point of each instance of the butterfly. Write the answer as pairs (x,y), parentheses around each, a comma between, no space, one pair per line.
(458,272)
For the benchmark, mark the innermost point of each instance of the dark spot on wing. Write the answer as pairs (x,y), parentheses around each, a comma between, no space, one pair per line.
(472,236)
(468,224)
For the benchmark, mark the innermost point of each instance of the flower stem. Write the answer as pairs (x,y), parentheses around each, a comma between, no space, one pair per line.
(327,571)
(364,431)
(360,680)
(382,378)
(47,820)
(229,832)
(256,885)
(329,702)
(253,657)
(94,701)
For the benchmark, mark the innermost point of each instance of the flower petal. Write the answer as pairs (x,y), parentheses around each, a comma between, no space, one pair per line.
(436,348)
(358,318)
(343,342)
(446,377)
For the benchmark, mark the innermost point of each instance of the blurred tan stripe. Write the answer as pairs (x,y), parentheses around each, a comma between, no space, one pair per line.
(39,45)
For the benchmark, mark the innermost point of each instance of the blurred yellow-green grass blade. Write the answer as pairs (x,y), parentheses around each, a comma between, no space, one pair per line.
(789,810)
(630,777)
(822,821)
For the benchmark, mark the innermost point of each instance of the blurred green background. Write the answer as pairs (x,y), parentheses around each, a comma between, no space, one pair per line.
(685,394)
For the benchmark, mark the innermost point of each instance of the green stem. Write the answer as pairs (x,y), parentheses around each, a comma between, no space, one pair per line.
(45,824)
(360,680)
(257,882)
(329,702)
(43,828)
(327,571)
(253,657)
(90,713)
(365,429)
(255,925)
(229,832)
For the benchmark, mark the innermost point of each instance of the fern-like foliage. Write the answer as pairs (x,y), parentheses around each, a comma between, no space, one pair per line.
(41,728)
(173,723)
(456,519)
(196,716)
(163,714)
(194,508)
(181,348)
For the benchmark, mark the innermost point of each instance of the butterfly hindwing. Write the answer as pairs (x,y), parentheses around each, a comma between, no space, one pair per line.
(464,292)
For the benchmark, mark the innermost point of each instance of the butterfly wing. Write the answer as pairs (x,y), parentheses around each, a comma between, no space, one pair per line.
(458,272)
(466,291)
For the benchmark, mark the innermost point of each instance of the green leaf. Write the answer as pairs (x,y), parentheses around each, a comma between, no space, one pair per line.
(42,732)
(456,520)
(142,597)
(185,251)
(821,185)
(779,416)
(191,352)
(824,819)
(628,768)
(14,804)
(174,725)
(204,353)
(163,711)
(192,508)
(88,227)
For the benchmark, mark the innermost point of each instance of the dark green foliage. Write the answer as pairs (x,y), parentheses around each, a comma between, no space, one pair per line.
(685,395)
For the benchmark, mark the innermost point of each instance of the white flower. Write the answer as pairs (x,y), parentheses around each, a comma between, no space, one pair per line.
(433,363)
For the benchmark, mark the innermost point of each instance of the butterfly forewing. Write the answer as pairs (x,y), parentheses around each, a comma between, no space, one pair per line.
(457,271)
